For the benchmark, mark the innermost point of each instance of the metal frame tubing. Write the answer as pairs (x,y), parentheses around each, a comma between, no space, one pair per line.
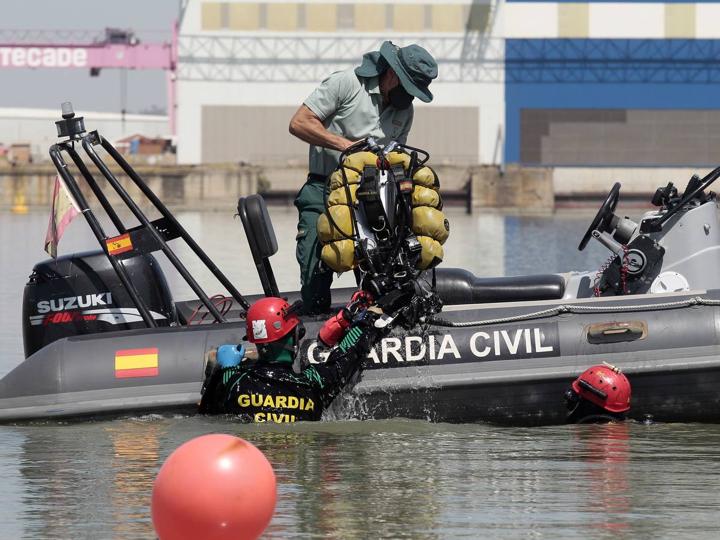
(80,164)
(704,184)
(169,253)
(140,183)
(61,166)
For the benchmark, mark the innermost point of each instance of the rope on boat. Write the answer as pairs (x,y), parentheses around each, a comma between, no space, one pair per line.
(569,308)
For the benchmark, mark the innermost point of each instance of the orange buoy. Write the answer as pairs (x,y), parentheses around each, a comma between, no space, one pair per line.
(214,487)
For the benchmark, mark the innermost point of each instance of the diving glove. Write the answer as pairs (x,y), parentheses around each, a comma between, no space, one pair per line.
(373,318)
(230,355)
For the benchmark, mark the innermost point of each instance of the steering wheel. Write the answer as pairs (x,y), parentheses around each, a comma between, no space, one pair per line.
(604,215)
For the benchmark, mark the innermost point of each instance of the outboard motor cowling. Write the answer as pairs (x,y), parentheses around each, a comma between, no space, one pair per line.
(81,294)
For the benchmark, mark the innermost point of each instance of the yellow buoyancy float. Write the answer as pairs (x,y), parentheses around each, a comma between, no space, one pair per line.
(422,196)
(426,177)
(339,255)
(399,158)
(337,180)
(338,226)
(340,195)
(431,254)
(429,223)
(338,250)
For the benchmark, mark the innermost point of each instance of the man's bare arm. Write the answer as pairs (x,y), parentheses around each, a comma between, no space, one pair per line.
(306,126)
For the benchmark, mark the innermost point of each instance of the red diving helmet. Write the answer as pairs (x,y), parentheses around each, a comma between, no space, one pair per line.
(605,386)
(270,319)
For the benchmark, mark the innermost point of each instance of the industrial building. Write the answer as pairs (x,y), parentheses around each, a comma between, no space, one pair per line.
(600,83)
(569,84)
(576,86)
(245,67)
(37,127)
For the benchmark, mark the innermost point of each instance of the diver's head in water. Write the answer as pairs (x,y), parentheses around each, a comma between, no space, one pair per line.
(273,325)
(600,394)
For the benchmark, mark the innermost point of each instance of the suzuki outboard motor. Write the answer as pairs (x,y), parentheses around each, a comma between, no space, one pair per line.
(81,294)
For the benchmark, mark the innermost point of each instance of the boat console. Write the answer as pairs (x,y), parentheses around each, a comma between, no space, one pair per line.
(670,250)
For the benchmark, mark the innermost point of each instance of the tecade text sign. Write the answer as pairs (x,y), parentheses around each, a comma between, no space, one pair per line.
(43,57)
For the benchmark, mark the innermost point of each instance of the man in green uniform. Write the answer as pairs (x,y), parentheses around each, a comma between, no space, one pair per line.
(372,100)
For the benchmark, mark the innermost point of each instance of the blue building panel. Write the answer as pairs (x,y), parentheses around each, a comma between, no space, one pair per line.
(607,74)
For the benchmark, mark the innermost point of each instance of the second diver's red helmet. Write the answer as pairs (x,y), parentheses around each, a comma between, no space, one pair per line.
(605,386)
(270,319)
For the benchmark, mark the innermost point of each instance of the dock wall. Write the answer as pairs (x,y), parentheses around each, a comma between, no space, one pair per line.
(180,187)
(516,189)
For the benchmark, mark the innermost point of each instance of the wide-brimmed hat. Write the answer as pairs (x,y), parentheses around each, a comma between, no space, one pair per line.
(414,66)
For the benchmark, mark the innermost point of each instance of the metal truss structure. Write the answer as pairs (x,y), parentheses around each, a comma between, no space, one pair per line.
(686,61)
(50,37)
(478,37)
(75,38)
(296,58)
(472,57)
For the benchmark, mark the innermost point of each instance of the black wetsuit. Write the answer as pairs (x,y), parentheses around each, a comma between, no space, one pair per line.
(273,392)
(586,412)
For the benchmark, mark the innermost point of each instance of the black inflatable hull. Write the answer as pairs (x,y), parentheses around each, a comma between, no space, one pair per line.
(507,372)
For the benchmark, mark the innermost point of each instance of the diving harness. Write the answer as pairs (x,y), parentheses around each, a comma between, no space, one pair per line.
(383,219)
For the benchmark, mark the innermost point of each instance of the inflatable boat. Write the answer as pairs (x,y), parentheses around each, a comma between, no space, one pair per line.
(103,335)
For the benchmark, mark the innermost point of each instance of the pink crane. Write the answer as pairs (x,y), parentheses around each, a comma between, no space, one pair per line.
(117,49)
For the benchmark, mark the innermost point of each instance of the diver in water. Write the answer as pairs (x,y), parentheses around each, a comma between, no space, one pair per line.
(268,389)
(600,394)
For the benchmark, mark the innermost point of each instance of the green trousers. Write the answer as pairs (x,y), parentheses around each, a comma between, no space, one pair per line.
(315,284)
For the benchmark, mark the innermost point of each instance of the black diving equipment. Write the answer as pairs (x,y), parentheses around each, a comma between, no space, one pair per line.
(383,217)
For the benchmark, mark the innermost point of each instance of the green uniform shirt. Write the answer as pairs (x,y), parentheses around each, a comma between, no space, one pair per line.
(352,107)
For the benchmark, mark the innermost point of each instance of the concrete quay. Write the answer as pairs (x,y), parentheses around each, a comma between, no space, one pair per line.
(512,189)
(206,187)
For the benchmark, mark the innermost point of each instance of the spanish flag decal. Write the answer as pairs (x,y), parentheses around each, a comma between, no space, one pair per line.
(136,363)
(119,244)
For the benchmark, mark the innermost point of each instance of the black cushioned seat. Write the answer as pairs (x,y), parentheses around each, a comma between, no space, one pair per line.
(455,286)
(458,286)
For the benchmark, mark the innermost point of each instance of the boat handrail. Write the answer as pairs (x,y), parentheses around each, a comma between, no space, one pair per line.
(570,308)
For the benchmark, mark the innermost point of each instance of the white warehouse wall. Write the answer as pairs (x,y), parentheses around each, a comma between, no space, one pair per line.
(192,95)
(484,93)
(37,126)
